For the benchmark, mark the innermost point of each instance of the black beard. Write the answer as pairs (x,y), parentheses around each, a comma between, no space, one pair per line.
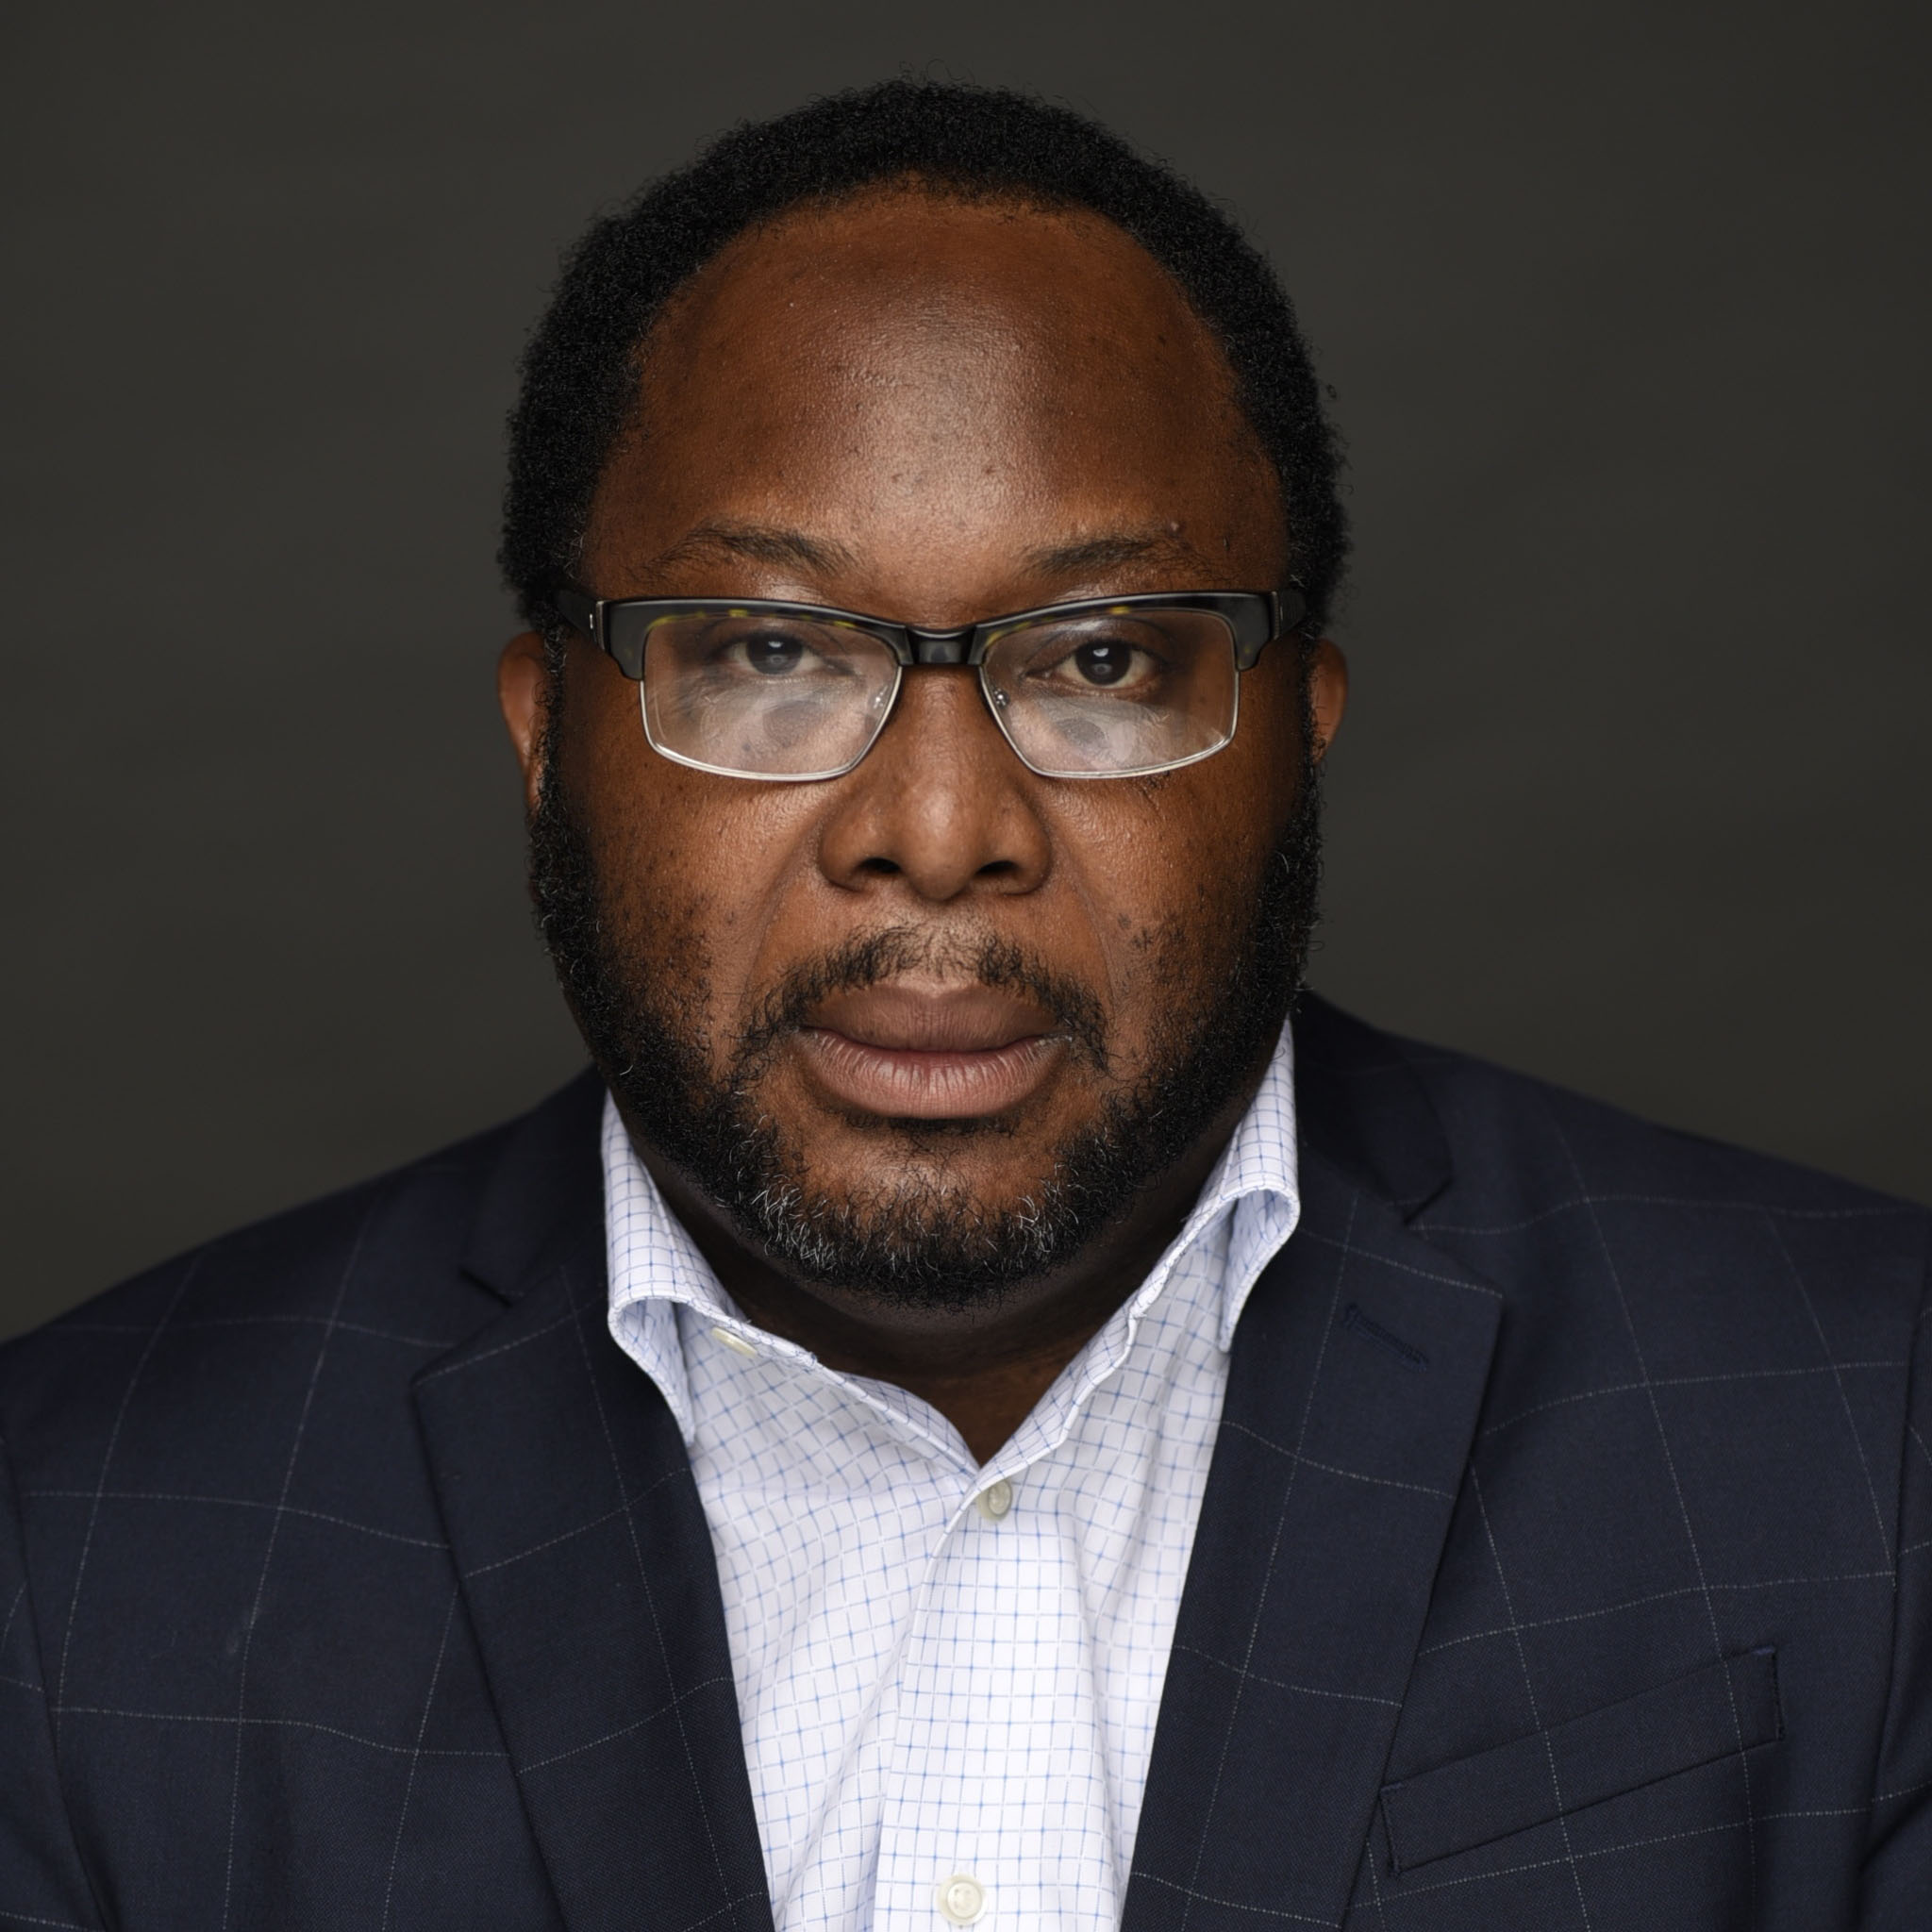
(916,1241)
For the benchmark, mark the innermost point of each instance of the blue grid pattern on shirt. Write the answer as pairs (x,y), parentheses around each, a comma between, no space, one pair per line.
(925,1691)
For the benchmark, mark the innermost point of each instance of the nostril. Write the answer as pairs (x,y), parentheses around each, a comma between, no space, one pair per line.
(998,868)
(881,868)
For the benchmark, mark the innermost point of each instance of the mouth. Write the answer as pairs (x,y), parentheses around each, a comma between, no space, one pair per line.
(910,1050)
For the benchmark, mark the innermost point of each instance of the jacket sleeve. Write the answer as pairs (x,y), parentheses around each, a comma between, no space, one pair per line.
(1898,1866)
(43,1883)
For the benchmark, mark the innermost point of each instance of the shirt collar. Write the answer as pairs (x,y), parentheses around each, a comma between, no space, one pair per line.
(655,1266)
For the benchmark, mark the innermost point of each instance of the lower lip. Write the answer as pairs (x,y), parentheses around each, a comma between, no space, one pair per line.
(906,1083)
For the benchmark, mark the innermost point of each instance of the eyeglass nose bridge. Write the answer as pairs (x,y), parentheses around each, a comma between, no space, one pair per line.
(939,646)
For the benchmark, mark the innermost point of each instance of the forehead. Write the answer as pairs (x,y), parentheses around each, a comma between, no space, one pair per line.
(897,364)
(985,278)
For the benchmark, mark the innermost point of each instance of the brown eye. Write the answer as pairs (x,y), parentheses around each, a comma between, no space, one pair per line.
(1104,664)
(1096,664)
(772,654)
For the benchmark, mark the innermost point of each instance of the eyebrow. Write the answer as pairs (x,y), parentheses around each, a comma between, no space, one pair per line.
(760,544)
(1084,556)
(1091,554)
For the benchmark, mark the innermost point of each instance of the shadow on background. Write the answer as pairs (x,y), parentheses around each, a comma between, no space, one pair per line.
(1625,308)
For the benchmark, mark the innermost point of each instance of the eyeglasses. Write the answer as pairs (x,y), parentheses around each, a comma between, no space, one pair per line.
(1108,687)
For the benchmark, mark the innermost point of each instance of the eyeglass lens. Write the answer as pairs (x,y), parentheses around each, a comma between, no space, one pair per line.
(1103,695)
(765,696)
(769,696)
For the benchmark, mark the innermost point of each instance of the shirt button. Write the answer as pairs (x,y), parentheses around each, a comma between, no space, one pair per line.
(993,1502)
(962,1898)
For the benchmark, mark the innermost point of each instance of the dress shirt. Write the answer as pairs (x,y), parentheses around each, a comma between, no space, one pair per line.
(948,1674)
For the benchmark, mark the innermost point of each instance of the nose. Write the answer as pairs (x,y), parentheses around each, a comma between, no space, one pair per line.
(939,805)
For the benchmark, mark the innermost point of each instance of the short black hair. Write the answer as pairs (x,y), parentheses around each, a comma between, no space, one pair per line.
(582,368)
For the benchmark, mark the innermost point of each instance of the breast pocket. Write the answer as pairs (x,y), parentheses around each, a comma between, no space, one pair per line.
(1726,1708)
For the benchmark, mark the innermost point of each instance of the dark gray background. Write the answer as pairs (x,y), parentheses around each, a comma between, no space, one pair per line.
(1626,311)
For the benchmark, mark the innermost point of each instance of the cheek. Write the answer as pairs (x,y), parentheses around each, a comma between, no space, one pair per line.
(1169,870)
(693,870)
(1166,880)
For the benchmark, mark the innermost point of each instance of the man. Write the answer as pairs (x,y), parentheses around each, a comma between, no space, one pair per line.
(969,1416)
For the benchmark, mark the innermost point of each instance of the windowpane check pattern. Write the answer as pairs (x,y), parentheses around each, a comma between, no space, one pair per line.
(948,1674)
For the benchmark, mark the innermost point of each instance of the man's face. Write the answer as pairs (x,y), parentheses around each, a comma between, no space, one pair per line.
(924,1029)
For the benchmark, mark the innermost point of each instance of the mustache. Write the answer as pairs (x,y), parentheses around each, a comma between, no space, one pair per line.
(869,959)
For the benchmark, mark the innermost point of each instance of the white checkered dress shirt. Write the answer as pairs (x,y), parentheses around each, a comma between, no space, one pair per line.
(947,1674)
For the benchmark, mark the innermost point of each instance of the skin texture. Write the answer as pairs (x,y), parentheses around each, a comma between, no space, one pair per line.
(936,413)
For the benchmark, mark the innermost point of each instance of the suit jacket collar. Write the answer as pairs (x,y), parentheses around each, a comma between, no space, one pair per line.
(587,1569)
(1361,1104)
(545,1188)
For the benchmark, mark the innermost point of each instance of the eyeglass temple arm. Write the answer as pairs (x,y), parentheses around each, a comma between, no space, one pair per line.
(580,612)
(1286,610)
(586,614)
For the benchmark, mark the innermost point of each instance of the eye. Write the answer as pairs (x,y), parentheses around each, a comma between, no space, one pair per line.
(1096,664)
(1103,663)
(772,654)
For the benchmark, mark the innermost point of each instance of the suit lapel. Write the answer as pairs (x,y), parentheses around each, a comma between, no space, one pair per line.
(586,1570)
(1357,1375)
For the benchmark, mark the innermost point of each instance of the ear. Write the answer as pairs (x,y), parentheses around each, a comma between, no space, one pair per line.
(522,691)
(1328,694)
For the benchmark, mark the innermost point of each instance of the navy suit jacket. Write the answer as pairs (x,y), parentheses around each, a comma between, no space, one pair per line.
(1564,1559)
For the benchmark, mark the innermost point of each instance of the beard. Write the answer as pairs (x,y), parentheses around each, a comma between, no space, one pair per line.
(1225,980)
